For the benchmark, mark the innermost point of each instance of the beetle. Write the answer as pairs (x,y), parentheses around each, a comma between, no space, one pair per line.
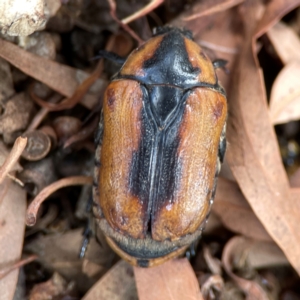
(159,154)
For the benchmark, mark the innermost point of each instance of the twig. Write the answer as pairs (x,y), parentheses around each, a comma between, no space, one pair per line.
(80,91)
(212,10)
(13,157)
(17,265)
(219,48)
(142,12)
(50,189)
(112,5)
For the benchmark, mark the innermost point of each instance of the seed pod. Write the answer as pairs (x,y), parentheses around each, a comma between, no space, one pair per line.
(38,145)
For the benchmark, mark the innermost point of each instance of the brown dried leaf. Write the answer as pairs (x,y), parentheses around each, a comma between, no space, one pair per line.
(253,254)
(211,284)
(235,213)
(60,252)
(232,258)
(264,254)
(117,284)
(56,286)
(285,94)
(295,193)
(12,221)
(253,153)
(174,279)
(60,78)
(285,41)
(295,179)
(274,11)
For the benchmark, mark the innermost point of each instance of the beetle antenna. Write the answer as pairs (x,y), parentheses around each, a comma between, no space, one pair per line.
(110,56)
(221,64)
(85,241)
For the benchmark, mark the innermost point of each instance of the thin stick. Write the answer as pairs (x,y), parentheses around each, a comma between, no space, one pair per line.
(17,265)
(13,156)
(112,5)
(219,48)
(212,10)
(142,12)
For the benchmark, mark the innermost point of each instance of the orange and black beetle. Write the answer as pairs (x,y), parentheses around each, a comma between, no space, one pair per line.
(163,141)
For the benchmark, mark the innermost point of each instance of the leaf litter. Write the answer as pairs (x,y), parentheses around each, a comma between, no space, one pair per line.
(251,247)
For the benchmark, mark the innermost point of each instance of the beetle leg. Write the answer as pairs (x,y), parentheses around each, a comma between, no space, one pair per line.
(87,231)
(219,63)
(191,251)
(111,56)
(222,144)
(99,131)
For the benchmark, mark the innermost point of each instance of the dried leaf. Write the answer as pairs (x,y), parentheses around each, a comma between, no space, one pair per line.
(174,279)
(230,258)
(285,94)
(12,220)
(56,286)
(117,284)
(295,179)
(60,252)
(285,41)
(60,78)
(257,254)
(235,213)
(253,154)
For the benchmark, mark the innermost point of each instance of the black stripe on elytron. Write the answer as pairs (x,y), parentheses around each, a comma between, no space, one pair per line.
(139,172)
(170,63)
(155,171)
